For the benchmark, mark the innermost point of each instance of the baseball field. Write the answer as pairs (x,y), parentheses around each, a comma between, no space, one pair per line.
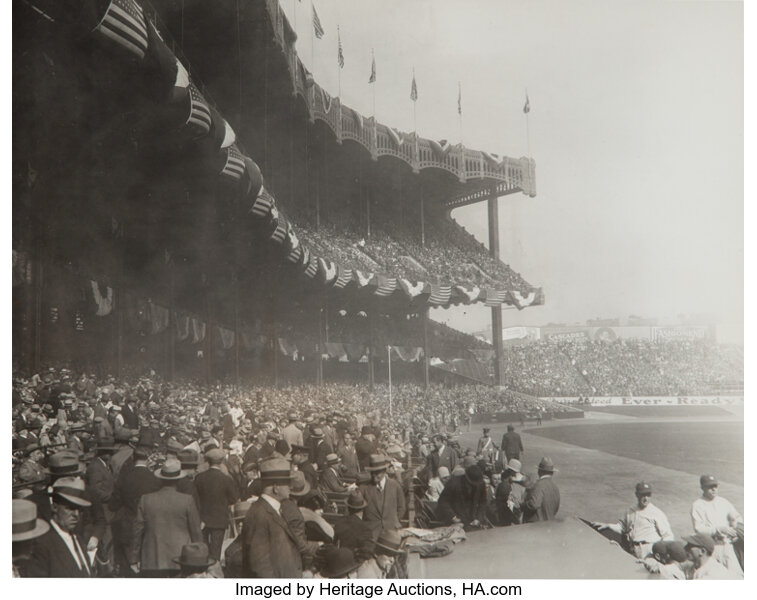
(601,458)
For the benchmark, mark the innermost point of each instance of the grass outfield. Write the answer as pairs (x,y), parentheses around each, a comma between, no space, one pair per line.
(695,447)
(600,462)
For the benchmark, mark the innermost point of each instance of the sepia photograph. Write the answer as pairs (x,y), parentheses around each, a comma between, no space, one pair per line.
(377,289)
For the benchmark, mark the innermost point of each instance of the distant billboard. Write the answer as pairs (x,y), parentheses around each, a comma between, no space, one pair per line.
(679,333)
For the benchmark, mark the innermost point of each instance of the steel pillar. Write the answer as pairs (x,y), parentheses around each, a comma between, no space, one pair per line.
(493,206)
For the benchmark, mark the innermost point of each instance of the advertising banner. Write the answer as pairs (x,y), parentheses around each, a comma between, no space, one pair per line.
(652,400)
(679,333)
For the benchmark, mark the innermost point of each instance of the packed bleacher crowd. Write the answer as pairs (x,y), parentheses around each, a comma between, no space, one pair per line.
(622,367)
(103,462)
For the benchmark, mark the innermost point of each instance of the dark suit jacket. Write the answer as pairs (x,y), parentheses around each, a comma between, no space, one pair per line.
(131,417)
(269,548)
(512,445)
(353,533)
(100,482)
(216,491)
(321,449)
(165,521)
(52,558)
(364,448)
(383,510)
(331,482)
(461,499)
(448,458)
(542,501)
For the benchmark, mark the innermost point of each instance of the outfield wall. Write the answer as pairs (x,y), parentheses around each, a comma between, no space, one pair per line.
(649,400)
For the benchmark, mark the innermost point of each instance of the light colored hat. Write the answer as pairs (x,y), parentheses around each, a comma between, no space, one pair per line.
(276,471)
(26,525)
(171,470)
(443,472)
(72,490)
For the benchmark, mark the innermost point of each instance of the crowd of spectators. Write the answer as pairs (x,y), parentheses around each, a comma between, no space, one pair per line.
(622,367)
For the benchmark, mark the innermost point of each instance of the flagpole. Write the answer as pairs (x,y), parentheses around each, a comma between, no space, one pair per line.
(312,42)
(339,67)
(460,109)
(389,362)
(415,100)
(528,132)
(373,62)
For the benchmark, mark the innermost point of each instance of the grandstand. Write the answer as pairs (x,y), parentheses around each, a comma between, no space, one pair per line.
(208,210)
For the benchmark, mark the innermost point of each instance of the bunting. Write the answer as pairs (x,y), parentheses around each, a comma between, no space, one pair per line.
(263,205)
(124,23)
(495,297)
(234,167)
(411,290)
(181,325)
(440,294)
(198,330)
(198,122)
(104,303)
(386,286)
(345,276)
(519,301)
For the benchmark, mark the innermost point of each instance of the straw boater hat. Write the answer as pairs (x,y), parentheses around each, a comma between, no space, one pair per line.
(390,542)
(170,471)
(195,555)
(26,525)
(378,462)
(70,489)
(276,471)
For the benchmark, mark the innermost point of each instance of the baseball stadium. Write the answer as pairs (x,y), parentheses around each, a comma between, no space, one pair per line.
(221,270)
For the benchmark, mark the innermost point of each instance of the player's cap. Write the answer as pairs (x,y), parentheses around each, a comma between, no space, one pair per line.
(643,489)
(708,481)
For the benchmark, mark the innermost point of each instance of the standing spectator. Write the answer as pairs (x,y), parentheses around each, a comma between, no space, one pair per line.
(384,497)
(26,527)
(464,499)
(348,456)
(216,492)
(269,547)
(166,520)
(441,456)
(365,447)
(512,445)
(543,498)
(485,447)
(292,434)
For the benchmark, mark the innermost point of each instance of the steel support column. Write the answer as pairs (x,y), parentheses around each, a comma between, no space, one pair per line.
(493,211)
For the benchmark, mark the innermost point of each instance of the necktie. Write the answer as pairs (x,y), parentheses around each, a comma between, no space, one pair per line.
(80,556)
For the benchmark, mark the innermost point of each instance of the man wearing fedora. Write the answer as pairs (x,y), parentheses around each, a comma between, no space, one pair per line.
(384,497)
(165,521)
(442,455)
(464,499)
(269,547)
(216,492)
(60,552)
(508,504)
(195,562)
(320,448)
(389,550)
(331,481)
(715,516)
(291,433)
(542,500)
(512,445)
(100,485)
(350,531)
(26,527)
(643,525)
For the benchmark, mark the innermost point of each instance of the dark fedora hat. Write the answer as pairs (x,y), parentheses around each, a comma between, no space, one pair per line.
(547,465)
(378,462)
(65,462)
(188,457)
(390,542)
(355,501)
(317,433)
(195,555)
(338,562)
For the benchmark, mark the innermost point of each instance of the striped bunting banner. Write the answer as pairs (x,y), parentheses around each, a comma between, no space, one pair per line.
(124,23)
(386,286)
(345,276)
(312,268)
(520,302)
(440,294)
(263,204)
(411,290)
(234,167)
(495,297)
(363,280)
(199,120)
(472,294)
(280,233)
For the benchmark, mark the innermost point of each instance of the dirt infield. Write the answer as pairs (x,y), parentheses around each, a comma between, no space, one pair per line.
(600,461)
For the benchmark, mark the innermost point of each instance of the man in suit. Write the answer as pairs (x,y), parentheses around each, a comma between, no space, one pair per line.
(292,434)
(512,445)
(348,456)
(59,552)
(543,499)
(384,497)
(269,547)
(463,499)
(441,456)
(100,485)
(216,492)
(351,531)
(320,448)
(330,479)
(485,448)
(365,446)
(130,487)
(165,521)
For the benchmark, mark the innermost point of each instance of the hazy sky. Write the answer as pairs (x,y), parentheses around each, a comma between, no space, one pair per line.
(636,126)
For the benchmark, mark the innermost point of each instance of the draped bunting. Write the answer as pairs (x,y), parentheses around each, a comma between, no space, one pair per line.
(288,348)
(312,267)
(495,297)
(521,302)
(472,294)
(470,369)
(251,341)
(355,351)
(263,205)
(408,353)
(181,324)
(229,137)
(363,280)
(440,294)
(198,330)
(159,318)
(104,303)
(395,136)
(345,276)
(336,350)
(386,285)
(227,338)
(137,314)
(327,270)
(411,290)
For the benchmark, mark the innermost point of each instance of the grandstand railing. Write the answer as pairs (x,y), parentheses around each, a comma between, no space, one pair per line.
(511,174)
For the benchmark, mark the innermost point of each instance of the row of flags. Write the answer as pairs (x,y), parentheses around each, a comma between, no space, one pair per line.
(320,32)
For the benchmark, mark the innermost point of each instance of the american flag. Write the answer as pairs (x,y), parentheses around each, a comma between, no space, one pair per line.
(234,167)
(199,116)
(527,106)
(386,285)
(340,54)
(372,78)
(495,297)
(413,90)
(345,276)
(263,204)
(279,234)
(317,27)
(312,267)
(124,23)
(459,99)
(440,294)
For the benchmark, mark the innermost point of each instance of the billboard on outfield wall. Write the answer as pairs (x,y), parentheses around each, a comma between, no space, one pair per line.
(650,400)
(520,333)
(609,334)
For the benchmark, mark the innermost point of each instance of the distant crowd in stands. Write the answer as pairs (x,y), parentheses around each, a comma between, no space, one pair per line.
(622,367)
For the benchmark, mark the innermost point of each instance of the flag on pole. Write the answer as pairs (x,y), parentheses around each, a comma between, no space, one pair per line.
(340,54)
(372,78)
(414,90)
(459,99)
(317,27)
(527,106)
